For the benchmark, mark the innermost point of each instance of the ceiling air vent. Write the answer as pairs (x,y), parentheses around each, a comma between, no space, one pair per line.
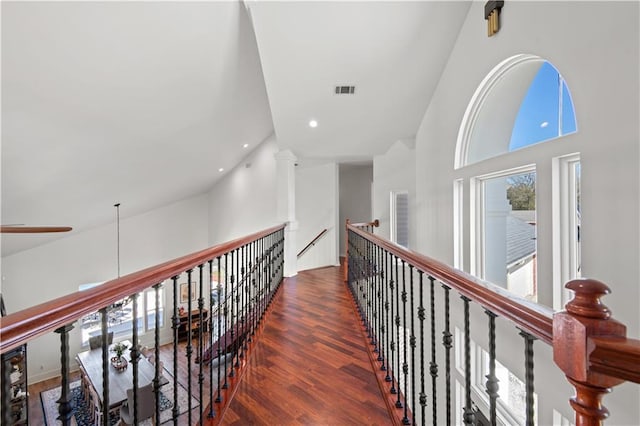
(345,90)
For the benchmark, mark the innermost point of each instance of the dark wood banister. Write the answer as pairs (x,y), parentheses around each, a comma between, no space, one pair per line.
(589,346)
(20,327)
(308,246)
(528,316)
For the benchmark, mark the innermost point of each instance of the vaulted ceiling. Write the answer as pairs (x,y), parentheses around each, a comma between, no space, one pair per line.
(143,102)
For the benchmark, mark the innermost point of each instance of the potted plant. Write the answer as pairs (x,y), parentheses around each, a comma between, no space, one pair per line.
(119,349)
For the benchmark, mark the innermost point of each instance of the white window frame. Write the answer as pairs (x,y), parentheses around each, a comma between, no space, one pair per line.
(566,250)
(477,231)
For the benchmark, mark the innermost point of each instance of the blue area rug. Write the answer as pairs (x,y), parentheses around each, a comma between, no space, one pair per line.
(84,417)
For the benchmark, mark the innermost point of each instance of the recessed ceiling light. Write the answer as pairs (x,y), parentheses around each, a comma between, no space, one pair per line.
(313,124)
(221,169)
(544,124)
(246,145)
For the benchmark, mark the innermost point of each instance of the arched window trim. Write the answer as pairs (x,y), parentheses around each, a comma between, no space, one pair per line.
(477,102)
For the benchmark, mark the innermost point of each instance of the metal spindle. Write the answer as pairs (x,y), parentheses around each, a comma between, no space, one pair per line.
(380,301)
(219,330)
(238,284)
(211,414)
(447,342)
(412,343)
(468,417)
(433,366)
(65,410)
(492,380)
(397,324)
(405,365)
(528,369)
(232,372)
(158,373)
(189,348)
(201,328)
(226,318)
(105,367)
(135,355)
(174,326)
(421,317)
(385,332)
(392,344)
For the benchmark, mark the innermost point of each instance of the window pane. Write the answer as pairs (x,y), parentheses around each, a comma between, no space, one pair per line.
(509,249)
(546,111)
(151,309)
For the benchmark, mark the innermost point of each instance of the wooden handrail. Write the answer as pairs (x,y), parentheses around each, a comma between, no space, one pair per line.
(19,327)
(364,225)
(616,356)
(308,246)
(535,319)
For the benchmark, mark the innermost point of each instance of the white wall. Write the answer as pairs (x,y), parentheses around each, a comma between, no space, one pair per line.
(355,196)
(394,170)
(317,209)
(244,201)
(52,270)
(601,69)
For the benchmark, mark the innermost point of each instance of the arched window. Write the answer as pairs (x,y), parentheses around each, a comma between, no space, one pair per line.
(500,160)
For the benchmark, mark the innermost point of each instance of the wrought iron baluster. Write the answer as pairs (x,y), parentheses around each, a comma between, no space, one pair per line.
(492,380)
(397,327)
(385,331)
(135,355)
(225,385)
(392,343)
(528,369)
(233,328)
(237,299)
(468,416)
(380,302)
(405,366)
(65,410)
(421,317)
(433,366)
(105,367)
(174,326)
(447,342)
(412,343)
(201,330)
(156,334)
(211,414)
(189,348)
(219,328)
(243,304)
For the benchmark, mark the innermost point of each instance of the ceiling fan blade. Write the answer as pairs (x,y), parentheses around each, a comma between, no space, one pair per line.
(33,229)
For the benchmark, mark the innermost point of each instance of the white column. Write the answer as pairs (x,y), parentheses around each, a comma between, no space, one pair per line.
(286,208)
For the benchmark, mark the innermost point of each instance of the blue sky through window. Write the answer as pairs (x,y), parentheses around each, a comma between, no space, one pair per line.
(539,117)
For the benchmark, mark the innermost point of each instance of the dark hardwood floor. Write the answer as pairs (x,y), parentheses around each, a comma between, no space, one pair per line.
(308,366)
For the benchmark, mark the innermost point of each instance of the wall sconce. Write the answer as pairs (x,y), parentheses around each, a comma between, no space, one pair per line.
(492,15)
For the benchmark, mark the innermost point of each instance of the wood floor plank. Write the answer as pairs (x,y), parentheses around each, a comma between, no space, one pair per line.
(310,365)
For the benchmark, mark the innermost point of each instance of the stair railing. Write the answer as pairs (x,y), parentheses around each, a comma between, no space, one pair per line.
(365,226)
(247,271)
(403,296)
(312,242)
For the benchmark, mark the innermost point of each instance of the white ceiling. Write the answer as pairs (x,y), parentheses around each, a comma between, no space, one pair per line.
(142,102)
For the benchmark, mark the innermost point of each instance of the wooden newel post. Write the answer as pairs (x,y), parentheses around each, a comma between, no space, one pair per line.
(585,317)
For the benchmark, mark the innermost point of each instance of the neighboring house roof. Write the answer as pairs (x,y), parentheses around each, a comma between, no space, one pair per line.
(528,216)
(521,236)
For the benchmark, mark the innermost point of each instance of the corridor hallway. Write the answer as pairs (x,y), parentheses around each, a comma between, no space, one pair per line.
(310,364)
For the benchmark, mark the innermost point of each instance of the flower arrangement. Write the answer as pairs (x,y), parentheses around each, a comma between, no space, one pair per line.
(119,349)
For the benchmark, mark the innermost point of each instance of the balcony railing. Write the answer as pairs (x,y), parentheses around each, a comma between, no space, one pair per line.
(234,282)
(404,300)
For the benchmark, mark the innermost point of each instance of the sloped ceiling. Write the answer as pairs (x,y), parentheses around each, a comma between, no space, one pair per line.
(392,52)
(142,102)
